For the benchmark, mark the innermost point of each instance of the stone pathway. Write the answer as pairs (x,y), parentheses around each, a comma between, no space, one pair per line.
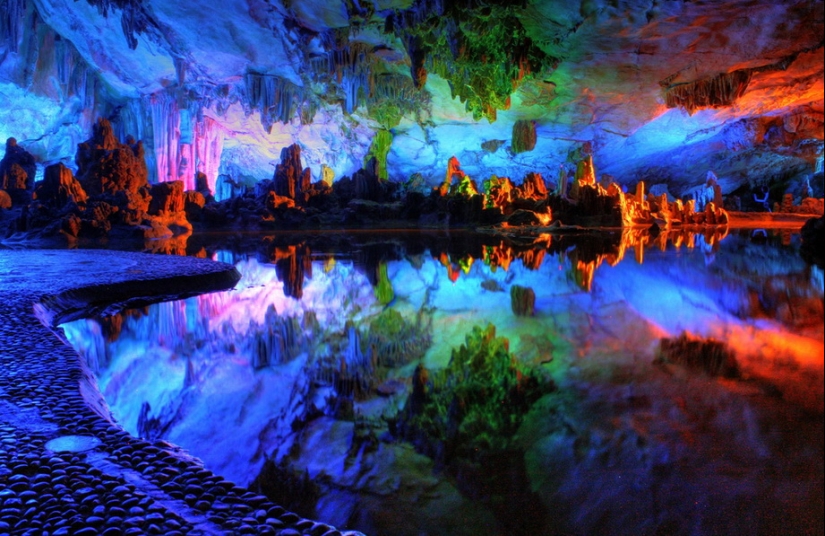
(65,466)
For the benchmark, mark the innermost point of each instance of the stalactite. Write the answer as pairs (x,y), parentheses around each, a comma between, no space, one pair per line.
(482,50)
(715,92)
(208,144)
(277,99)
(134,18)
(278,341)
(351,65)
(11,15)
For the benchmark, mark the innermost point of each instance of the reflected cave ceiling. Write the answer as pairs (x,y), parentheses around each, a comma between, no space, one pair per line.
(662,91)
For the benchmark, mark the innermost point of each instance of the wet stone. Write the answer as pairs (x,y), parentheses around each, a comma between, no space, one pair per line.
(95,521)
(276,523)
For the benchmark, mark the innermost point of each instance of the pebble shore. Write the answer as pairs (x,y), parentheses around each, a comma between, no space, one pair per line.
(65,466)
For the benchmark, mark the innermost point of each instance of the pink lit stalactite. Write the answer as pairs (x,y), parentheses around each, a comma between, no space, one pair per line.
(208,144)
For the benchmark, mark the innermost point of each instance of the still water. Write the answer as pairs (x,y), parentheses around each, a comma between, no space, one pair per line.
(423,384)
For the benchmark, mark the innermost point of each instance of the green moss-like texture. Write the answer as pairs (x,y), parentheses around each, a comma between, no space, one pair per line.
(482,49)
(379,149)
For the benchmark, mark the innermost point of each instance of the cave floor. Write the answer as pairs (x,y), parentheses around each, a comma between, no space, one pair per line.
(65,467)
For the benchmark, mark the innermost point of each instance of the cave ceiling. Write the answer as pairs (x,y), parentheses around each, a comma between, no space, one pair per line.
(658,90)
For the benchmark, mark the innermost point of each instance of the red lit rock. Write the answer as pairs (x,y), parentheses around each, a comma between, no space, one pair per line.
(106,166)
(167,197)
(533,187)
(5,199)
(58,187)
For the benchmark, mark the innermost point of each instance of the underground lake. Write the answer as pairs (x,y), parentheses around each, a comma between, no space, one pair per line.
(451,382)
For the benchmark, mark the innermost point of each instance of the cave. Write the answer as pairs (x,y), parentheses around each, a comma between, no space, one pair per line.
(405,267)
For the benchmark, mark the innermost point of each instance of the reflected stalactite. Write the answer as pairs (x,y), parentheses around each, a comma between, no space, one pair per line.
(279,340)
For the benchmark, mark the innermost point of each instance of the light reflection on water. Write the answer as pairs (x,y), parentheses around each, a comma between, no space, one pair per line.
(293,381)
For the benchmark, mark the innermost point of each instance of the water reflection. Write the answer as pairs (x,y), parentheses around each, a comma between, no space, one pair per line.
(344,378)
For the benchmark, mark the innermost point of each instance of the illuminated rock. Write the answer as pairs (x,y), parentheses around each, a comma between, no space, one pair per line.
(59,187)
(453,176)
(106,166)
(193,205)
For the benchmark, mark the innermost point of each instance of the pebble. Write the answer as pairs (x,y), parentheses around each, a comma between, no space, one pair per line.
(46,492)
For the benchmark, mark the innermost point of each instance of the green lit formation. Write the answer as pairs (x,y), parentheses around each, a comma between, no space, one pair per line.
(379,149)
(483,50)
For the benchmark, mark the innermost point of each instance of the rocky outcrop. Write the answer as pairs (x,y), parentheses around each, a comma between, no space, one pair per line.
(533,187)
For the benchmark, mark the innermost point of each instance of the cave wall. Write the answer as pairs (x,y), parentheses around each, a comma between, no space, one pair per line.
(659,91)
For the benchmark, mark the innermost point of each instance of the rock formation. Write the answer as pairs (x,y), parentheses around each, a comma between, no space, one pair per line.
(59,187)
(291,179)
